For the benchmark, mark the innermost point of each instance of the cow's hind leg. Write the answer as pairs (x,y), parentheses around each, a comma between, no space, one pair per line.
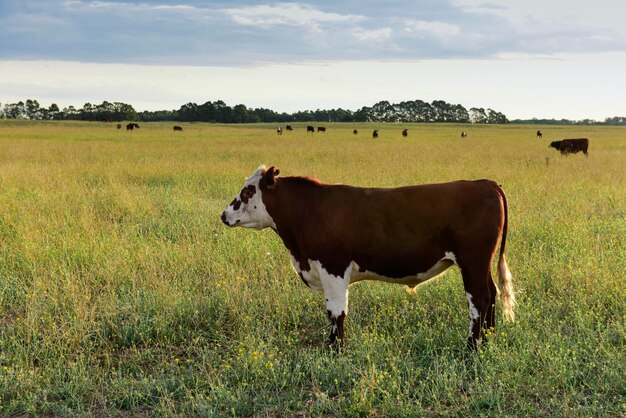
(490,323)
(479,287)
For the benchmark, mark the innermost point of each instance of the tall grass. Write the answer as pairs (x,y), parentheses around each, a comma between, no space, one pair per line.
(121,293)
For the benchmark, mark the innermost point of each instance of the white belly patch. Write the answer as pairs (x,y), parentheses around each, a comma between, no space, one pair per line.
(312,277)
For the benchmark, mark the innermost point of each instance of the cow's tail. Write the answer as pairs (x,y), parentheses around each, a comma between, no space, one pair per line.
(505,278)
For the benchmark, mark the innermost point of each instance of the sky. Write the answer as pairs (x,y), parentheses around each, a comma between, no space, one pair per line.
(524,58)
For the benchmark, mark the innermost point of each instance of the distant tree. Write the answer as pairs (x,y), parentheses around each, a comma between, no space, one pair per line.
(53,112)
(495,117)
(15,110)
(188,112)
(158,115)
(381,112)
(615,120)
(32,109)
(477,115)
(70,113)
(361,115)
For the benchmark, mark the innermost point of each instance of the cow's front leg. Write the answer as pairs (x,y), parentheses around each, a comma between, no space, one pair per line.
(336,292)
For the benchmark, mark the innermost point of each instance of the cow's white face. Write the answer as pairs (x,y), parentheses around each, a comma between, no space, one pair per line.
(247,209)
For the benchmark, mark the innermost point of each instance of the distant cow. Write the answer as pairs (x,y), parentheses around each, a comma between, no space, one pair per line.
(321,129)
(405,133)
(463,135)
(375,133)
(355,132)
(119,126)
(310,128)
(279,131)
(130,126)
(571,146)
(289,128)
(539,134)
(178,128)
(405,235)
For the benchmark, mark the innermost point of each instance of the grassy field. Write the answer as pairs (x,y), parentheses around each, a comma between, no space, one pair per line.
(122,294)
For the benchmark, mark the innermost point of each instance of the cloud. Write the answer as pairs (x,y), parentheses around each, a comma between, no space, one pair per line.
(289,14)
(81,5)
(376,35)
(438,29)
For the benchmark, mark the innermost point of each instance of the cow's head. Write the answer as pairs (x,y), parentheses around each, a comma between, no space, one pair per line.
(247,209)
(555,144)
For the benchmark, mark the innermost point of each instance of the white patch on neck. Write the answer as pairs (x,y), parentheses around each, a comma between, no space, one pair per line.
(335,289)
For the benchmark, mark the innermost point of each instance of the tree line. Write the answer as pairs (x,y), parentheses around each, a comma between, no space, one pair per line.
(219,112)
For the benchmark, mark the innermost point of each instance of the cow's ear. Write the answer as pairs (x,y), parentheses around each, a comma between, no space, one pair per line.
(270,177)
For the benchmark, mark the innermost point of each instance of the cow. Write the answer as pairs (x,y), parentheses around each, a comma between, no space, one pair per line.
(571,146)
(119,126)
(279,131)
(340,234)
(289,128)
(405,133)
(539,134)
(310,128)
(178,128)
(375,133)
(130,126)
(355,132)
(321,129)
(463,134)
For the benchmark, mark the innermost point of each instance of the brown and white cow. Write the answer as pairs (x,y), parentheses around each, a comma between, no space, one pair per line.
(339,234)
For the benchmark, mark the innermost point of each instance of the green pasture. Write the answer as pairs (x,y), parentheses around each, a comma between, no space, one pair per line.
(122,294)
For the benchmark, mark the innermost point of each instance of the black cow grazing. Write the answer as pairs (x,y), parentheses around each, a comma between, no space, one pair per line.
(321,129)
(355,132)
(375,133)
(119,126)
(289,128)
(539,134)
(463,135)
(405,133)
(130,126)
(310,128)
(571,146)
(178,128)
(279,131)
